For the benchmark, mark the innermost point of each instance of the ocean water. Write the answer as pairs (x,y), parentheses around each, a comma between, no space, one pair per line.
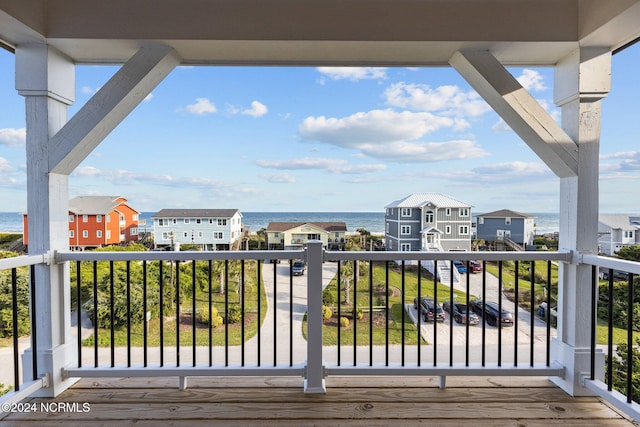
(370,221)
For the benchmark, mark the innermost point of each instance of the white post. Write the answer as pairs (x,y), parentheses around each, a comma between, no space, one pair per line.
(47,80)
(314,381)
(582,79)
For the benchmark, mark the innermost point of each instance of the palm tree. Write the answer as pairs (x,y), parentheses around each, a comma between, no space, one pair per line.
(261,234)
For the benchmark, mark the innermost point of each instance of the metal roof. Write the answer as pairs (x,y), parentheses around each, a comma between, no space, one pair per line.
(95,205)
(619,221)
(505,213)
(418,200)
(326,226)
(195,213)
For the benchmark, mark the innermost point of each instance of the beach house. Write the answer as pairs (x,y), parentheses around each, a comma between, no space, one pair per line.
(506,225)
(428,221)
(617,231)
(210,229)
(295,235)
(96,221)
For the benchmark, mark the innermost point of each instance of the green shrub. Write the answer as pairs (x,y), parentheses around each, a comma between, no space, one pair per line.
(344,322)
(234,313)
(203,316)
(329,296)
(357,313)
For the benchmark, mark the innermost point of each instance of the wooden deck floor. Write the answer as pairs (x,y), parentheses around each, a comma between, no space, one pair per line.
(359,401)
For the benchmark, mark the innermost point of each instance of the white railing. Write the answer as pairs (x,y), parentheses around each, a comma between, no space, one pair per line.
(311,357)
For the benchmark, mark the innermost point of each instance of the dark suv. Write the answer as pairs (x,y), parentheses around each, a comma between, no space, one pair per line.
(429,310)
(491,313)
(459,313)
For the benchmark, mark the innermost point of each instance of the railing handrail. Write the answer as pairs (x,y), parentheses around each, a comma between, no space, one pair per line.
(614,263)
(22,261)
(63,256)
(446,256)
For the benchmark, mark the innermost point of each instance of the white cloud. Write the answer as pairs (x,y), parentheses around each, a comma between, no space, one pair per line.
(88,90)
(412,152)
(201,107)
(279,178)
(338,166)
(371,127)
(623,161)
(390,135)
(9,177)
(449,100)
(13,137)
(257,109)
(353,73)
(531,80)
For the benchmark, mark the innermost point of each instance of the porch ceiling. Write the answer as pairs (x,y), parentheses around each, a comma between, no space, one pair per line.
(316,32)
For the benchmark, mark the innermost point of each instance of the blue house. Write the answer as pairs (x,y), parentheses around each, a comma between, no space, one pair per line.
(506,224)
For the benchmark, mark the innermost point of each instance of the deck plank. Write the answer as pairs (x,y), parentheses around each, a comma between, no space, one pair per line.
(370,401)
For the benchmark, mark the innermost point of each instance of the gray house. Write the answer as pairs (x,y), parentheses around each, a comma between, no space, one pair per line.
(211,229)
(428,221)
(617,231)
(506,224)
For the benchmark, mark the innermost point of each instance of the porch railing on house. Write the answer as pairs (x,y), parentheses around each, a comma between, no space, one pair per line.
(156,314)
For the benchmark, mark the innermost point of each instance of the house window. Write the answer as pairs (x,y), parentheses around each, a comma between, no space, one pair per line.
(387,227)
(186,220)
(405,212)
(108,218)
(405,247)
(85,218)
(447,212)
(628,234)
(173,220)
(200,234)
(85,233)
(185,235)
(218,235)
(222,222)
(428,217)
(464,211)
(198,221)
(71,234)
(276,235)
(447,229)
(133,231)
(99,233)
(507,221)
(210,220)
(122,218)
(161,222)
(481,220)
(70,218)
(98,218)
(405,229)
(464,229)
(134,217)
(108,234)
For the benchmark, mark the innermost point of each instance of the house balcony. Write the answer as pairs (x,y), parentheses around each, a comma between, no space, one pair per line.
(282,360)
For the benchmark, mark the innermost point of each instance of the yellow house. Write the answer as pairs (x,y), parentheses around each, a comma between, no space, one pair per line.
(294,235)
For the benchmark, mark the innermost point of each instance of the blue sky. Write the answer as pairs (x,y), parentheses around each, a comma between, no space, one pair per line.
(324,139)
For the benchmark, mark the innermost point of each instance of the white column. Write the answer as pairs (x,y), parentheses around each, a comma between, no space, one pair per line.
(314,379)
(47,79)
(582,79)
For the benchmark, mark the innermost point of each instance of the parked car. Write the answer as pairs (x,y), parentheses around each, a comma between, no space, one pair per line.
(459,313)
(491,313)
(462,268)
(429,310)
(475,266)
(298,267)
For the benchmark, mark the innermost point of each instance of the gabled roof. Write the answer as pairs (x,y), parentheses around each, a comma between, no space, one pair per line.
(505,213)
(620,222)
(95,205)
(195,213)
(418,200)
(326,226)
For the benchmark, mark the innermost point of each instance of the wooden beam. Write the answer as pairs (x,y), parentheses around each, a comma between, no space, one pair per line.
(519,110)
(109,106)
